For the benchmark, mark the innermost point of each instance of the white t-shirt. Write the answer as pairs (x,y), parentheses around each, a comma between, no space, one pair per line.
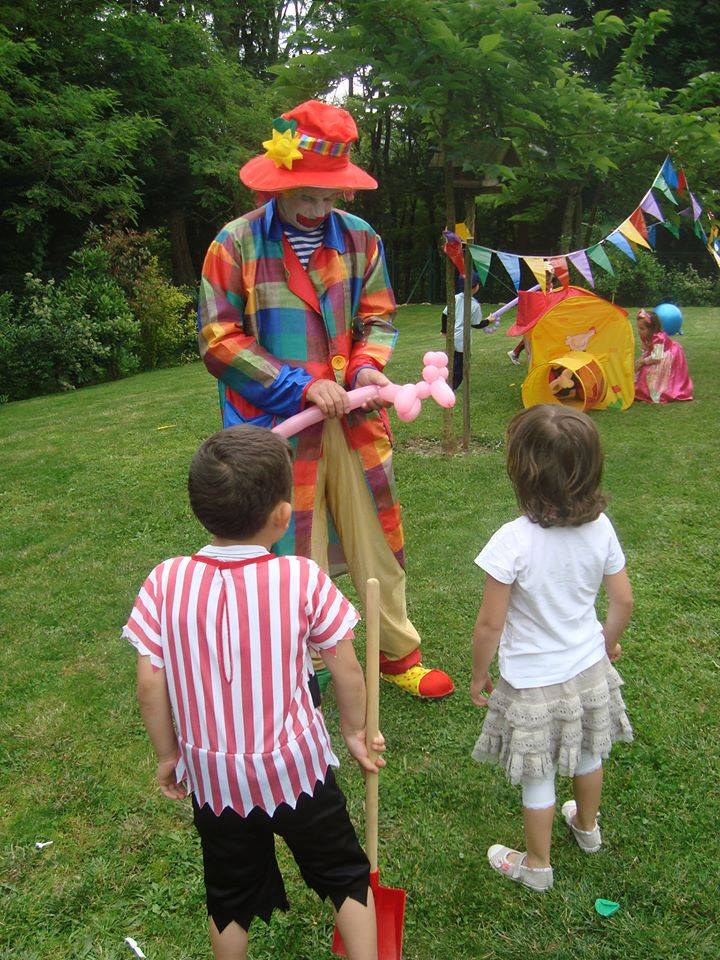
(551,631)
(475,317)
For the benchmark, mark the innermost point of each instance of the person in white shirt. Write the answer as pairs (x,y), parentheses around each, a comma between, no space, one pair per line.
(476,321)
(557,706)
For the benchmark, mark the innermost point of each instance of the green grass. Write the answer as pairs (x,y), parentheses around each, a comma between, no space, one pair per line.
(93,495)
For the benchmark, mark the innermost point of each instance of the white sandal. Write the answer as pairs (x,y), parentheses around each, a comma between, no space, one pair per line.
(537,878)
(589,841)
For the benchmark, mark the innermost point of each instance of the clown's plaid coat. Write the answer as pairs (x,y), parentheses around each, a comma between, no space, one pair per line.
(268,328)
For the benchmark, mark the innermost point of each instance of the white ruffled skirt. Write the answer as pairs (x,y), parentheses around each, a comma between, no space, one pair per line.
(534,731)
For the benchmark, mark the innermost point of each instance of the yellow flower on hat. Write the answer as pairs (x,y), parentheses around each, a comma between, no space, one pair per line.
(283,148)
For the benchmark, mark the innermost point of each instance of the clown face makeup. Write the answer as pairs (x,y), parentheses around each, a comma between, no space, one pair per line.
(306,207)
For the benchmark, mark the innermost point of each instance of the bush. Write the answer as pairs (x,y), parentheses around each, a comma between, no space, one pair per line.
(648,282)
(66,335)
(165,313)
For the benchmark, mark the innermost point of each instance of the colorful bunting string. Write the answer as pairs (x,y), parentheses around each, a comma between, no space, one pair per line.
(633,230)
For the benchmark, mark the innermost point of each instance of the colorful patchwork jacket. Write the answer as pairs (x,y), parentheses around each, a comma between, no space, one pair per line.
(268,328)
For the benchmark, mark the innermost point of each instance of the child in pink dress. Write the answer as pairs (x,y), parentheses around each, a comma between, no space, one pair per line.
(224,640)
(661,370)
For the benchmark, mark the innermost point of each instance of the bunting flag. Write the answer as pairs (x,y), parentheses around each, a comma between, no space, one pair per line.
(559,265)
(696,208)
(481,257)
(621,243)
(511,262)
(650,205)
(598,256)
(630,231)
(634,230)
(667,171)
(637,219)
(580,261)
(539,270)
(663,187)
(453,249)
(699,232)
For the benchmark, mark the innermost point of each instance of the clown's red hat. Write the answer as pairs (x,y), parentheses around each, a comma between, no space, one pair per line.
(310,147)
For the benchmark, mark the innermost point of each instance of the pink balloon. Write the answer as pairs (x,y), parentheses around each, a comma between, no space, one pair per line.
(441,359)
(442,394)
(422,390)
(427,358)
(405,400)
(444,373)
(430,374)
(411,413)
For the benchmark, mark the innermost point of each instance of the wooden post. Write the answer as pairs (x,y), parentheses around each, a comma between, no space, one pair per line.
(467,330)
(449,441)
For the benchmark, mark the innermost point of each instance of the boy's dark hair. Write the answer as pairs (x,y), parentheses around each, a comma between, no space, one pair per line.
(555,462)
(237,478)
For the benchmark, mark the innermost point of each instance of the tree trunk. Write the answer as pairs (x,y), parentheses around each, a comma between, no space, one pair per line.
(182,266)
(449,440)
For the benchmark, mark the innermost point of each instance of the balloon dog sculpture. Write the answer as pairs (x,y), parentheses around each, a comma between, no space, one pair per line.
(407,399)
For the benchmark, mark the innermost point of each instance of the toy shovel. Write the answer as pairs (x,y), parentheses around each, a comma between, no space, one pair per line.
(389,901)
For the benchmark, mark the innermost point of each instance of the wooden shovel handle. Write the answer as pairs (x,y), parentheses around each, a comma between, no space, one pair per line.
(372,714)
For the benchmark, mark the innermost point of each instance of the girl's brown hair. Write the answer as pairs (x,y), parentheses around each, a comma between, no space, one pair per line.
(555,462)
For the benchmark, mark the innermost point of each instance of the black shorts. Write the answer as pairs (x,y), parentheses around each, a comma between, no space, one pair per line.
(242,877)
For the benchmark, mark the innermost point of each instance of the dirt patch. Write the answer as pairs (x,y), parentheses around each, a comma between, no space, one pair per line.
(433,448)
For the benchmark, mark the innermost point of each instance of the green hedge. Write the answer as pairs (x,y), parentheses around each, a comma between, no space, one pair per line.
(109,317)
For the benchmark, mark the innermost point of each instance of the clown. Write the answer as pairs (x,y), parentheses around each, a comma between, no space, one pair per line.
(296,309)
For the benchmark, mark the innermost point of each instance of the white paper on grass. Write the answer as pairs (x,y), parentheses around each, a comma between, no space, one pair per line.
(134,947)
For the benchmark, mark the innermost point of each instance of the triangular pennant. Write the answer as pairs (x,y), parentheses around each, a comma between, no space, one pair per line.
(580,261)
(512,265)
(649,205)
(687,212)
(454,252)
(672,227)
(714,254)
(699,232)
(629,230)
(682,182)
(559,265)
(664,188)
(637,219)
(482,258)
(696,208)
(652,230)
(621,243)
(598,256)
(668,174)
(462,231)
(537,266)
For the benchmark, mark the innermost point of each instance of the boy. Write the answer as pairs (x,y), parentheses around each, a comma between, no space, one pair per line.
(476,322)
(224,640)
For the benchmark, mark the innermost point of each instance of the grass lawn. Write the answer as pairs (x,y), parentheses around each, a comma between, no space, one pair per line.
(93,495)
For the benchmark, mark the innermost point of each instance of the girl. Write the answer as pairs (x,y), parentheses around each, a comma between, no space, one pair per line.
(661,370)
(557,705)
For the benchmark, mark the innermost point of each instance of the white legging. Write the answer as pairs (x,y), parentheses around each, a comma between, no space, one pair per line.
(538,793)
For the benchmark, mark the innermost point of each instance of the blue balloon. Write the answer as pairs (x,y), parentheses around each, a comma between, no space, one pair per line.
(670,318)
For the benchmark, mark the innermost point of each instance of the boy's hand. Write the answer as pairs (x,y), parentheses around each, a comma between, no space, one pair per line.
(166,778)
(358,750)
(479,687)
(615,653)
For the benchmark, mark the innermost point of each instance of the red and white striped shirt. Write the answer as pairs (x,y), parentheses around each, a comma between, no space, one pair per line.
(234,628)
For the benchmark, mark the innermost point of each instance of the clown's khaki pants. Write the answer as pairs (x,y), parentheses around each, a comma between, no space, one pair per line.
(341,486)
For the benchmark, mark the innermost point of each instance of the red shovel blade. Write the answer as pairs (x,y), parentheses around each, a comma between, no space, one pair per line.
(390,913)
